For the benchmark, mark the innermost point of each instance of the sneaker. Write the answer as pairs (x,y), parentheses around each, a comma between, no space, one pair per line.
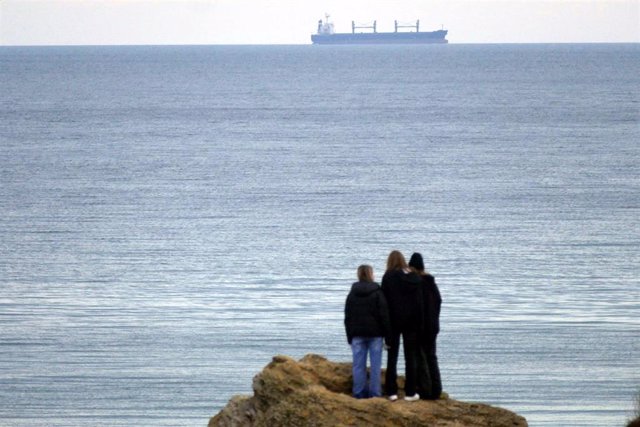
(393,397)
(444,395)
(412,398)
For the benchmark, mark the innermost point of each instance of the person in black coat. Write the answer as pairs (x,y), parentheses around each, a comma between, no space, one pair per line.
(366,320)
(401,287)
(429,381)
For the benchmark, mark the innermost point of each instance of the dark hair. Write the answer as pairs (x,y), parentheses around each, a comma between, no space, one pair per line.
(416,262)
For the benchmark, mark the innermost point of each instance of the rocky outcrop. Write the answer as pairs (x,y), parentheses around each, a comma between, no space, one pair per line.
(316,392)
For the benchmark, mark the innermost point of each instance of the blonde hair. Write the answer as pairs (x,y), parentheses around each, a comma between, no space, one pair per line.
(396,261)
(365,273)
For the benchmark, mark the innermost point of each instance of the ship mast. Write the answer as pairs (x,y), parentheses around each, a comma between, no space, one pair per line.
(325,27)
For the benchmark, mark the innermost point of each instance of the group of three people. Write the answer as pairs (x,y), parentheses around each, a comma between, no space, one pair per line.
(406,306)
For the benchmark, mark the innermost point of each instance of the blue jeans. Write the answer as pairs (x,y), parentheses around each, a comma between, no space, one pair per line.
(360,347)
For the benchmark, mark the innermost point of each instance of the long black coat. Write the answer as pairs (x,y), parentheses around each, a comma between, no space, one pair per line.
(404,297)
(365,312)
(431,302)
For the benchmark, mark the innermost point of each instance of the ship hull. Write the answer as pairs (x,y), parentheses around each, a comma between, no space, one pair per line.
(432,37)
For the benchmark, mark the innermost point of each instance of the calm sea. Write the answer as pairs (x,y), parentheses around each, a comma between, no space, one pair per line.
(173,217)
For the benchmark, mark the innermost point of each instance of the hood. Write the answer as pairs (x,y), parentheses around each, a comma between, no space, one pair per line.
(406,282)
(363,289)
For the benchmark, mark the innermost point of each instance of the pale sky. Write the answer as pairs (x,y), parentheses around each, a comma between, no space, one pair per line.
(89,22)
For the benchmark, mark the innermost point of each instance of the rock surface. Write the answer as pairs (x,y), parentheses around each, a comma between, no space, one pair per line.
(316,392)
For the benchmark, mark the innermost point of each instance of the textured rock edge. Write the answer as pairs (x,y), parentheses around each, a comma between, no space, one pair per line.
(315,392)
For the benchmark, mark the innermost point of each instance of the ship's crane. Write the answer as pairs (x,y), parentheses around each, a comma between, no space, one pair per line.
(416,26)
(354,27)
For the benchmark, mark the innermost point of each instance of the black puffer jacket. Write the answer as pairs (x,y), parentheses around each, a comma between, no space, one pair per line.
(365,312)
(432,302)
(403,291)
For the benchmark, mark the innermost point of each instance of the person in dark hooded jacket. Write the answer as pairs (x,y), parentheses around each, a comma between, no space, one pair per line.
(401,287)
(366,320)
(429,381)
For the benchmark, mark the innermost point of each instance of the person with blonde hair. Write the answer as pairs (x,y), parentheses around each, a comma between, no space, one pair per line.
(366,320)
(401,287)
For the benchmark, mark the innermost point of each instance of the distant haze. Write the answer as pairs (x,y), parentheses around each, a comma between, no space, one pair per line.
(89,22)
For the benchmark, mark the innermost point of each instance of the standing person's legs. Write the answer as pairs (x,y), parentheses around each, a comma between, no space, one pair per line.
(391,376)
(410,346)
(359,368)
(434,369)
(423,386)
(375,353)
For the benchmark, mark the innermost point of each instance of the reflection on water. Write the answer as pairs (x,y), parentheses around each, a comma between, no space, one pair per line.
(169,226)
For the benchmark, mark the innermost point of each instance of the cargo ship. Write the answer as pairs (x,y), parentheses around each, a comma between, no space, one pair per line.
(326,34)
